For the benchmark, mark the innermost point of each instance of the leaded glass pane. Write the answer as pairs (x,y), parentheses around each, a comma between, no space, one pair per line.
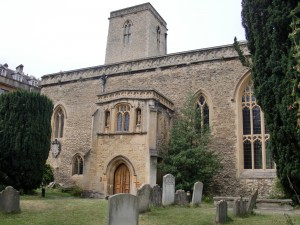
(247,155)
(62,120)
(126,125)
(246,121)
(119,122)
(56,129)
(269,158)
(202,99)
(257,155)
(256,120)
(206,114)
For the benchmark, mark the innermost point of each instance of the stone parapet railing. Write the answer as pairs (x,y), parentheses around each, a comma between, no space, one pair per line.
(176,60)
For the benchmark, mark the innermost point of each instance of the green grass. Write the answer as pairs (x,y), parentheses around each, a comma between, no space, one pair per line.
(62,209)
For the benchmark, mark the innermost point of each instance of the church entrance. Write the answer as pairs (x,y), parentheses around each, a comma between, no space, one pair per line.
(122,179)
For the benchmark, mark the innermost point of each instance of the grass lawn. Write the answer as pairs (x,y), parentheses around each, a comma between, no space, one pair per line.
(62,209)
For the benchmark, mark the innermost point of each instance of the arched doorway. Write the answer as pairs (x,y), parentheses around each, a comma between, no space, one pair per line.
(122,179)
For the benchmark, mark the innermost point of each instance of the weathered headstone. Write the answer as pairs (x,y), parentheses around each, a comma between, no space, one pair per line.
(144,195)
(156,196)
(123,209)
(197,193)
(181,197)
(10,200)
(221,212)
(168,193)
(252,201)
(239,207)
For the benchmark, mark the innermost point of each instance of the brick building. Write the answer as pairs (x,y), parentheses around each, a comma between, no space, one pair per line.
(110,121)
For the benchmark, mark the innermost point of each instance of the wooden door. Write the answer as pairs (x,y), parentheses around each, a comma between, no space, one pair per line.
(122,179)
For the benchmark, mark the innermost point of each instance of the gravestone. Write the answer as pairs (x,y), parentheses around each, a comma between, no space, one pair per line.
(10,200)
(181,197)
(156,196)
(123,209)
(221,212)
(168,193)
(239,207)
(197,193)
(252,201)
(144,195)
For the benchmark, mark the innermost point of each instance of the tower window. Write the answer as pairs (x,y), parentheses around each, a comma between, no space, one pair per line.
(158,36)
(127,32)
(123,117)
(59,120)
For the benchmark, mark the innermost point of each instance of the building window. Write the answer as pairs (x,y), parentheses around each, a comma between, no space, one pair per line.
(59,120)
(158,36)
(77,167)
(255,136)
(127,32)
(138,116)
(202,112)
(123,117)
(107,118)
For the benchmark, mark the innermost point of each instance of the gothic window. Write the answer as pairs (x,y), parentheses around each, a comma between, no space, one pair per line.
(203,112)
(77,165)
(158,36)
(127,32)
(138,116)
(123,117)
(257,155)
(107,118)
(59,120)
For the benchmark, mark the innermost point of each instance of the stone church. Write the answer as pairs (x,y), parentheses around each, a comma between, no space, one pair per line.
(110,122)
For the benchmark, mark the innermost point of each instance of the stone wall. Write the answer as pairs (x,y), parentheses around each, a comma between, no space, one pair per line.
(214,72)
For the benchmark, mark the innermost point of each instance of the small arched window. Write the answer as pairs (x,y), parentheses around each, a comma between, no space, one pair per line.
(158,36)
(255,135)
(59,121)
(77,167)
(138,116)
(203,112)
(123,117)
(127,32)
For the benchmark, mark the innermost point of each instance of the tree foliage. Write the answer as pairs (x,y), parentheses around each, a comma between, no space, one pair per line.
(25,129)
(267,26)
(188,157)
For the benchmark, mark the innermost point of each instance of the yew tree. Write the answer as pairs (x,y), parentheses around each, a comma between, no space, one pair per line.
(268,27)
(25,129)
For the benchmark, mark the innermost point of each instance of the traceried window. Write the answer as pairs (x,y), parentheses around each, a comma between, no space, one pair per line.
(127,32)
(77,165)
(123,117)
(203,112)
(255,136)
(59,120)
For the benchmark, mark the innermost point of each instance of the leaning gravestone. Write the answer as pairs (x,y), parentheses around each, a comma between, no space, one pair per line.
(168,194)
(221,212)
(252,201)
(197,193)
(10,200)
(144,196)
(123,209)
(181,197)
(156,196)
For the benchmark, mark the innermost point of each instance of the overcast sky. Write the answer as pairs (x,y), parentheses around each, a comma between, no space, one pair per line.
(49,36)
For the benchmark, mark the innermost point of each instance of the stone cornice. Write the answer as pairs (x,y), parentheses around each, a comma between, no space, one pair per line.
(138,8)
(145,64)
(135,94)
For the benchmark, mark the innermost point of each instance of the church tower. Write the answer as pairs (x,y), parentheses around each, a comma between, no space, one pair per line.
(135,32)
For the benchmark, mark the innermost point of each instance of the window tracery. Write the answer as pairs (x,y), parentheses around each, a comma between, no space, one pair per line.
(59,121)
(123,117)
(127,32)
(77,165)
(203,112)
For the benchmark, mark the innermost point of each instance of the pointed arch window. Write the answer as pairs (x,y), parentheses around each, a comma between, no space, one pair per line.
(256,153)
(59,122)
(77,165)
(158,36)
(123,117)
(127,32)
(203,112)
